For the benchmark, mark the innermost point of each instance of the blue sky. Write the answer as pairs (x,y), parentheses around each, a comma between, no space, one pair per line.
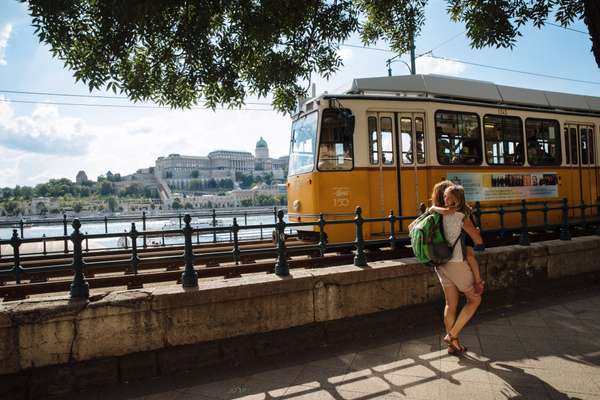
(41,141)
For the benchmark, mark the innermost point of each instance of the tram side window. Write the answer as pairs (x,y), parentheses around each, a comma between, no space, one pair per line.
(584,146)
(387,150)
(373,151)
(458,138)
(543,141)
(567,146)
(591,143)
(407,139)
(574,147)
(335,146)
(503,140)
(420,140)
(587,145)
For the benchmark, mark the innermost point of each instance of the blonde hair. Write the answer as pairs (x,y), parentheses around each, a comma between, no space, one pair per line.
(437,195)
(459,194)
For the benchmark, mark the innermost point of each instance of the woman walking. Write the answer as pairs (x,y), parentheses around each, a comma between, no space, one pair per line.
(456,276)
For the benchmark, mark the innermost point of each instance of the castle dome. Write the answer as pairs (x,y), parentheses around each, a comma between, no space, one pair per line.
(261,143)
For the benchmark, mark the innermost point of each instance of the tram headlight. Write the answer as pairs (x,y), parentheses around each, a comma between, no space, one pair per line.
(296,205)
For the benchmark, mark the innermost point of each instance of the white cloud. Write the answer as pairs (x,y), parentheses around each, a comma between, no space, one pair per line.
(345,53)
(429,65)
(45,131)
(4,36)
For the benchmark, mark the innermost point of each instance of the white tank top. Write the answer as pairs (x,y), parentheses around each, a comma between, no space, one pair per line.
(453,224)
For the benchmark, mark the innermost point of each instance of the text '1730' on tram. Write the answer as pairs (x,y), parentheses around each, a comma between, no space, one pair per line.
(385,142)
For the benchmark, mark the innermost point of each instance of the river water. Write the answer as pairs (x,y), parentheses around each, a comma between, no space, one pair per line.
(37,231)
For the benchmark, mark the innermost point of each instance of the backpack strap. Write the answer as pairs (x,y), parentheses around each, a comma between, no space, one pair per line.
(457,240)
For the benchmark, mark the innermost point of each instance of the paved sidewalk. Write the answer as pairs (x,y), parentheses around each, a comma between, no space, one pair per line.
(546,350)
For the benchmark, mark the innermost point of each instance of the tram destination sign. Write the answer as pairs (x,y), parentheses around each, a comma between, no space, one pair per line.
(506,186)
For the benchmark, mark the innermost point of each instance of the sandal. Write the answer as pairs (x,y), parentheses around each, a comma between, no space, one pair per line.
(452,347)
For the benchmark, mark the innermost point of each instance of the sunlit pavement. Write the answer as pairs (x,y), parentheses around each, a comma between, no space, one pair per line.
(549,349)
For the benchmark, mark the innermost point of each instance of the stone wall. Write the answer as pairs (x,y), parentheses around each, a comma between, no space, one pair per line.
(145,329)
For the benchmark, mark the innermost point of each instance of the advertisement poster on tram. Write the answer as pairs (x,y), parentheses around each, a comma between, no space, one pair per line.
(494,186)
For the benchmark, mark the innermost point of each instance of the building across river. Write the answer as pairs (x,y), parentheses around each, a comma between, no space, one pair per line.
(178,169)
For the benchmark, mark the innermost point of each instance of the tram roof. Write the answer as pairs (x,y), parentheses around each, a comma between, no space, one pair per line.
(439,86)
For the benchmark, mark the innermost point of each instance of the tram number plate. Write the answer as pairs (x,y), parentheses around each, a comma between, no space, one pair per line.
(341,196)
(502,111)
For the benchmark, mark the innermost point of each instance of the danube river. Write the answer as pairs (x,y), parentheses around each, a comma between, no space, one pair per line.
(40,230)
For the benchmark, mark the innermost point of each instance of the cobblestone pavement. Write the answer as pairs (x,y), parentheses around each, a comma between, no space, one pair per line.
(546,350)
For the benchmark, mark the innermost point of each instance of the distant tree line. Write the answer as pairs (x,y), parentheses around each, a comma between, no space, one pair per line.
(64,187)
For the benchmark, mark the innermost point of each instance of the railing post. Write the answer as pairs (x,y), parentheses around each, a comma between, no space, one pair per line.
(214,225)
(44,252)
(66,250)
(87,244)
(261,231)
(501,212)
(80,289)
(144,228)
(180,225)
(392,238)
(15,242)
(189,277)
(582,207)
(524,237)
(245,217)
(275,213)
(135,260)
(546,215)
(565,232)
(105,224)
(281,266)
(322,236)
(236,244)
(125,237)
(21,225)
(359,259)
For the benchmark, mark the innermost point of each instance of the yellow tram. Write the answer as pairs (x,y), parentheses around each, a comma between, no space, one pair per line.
(385,142)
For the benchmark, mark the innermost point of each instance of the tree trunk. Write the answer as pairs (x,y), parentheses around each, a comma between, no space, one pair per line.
(591,16)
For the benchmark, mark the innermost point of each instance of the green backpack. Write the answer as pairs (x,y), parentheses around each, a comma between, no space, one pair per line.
(428,241)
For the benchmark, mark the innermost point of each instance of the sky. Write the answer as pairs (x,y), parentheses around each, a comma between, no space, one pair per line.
(42,141)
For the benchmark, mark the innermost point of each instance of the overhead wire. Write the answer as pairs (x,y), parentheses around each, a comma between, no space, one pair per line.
(130,106)
(91,96)
(567,28)
(515,70)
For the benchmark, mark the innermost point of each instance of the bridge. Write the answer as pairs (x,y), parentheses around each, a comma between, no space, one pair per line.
(316,298)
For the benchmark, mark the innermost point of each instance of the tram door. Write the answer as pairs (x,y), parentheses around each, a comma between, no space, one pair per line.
(581,156)
(411,140)
(382,177)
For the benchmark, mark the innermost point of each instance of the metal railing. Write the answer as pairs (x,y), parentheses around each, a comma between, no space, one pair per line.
(189,278)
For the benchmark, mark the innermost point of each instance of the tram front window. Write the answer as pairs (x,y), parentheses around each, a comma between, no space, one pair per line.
(303,146)
(335,145)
